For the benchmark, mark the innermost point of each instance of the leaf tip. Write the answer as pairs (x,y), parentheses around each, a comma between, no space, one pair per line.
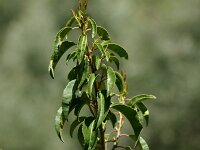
(50,69)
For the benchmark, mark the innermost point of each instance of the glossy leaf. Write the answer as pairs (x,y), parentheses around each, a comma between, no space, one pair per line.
(82,43)
(103,33)
(94,27)
(97,62)
(89,135)
(140,98)
(67,97)
(119,82)
(90,83)
(83,72)
(144,111)
(111,78)
(75,124)
(103,108)
(58,54)
(59,123)
(141,142)
(131,115)
(118,50)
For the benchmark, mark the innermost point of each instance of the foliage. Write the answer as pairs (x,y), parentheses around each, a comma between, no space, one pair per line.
(96,81)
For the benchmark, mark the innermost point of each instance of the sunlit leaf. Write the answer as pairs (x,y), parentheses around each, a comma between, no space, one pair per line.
(94,27)
(111,78)
(59,123)
(82,43)
(57,54)
(103,108)
(97,62)
(141,143)
(144,111)
(131,115)
(67,97)
(118,50)
(90,136)
(90,83)
(140,98)
(103,33)
(119,82)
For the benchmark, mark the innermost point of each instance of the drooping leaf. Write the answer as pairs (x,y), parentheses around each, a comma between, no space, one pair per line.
(112,118)
(72,74)
(115,60)
(59,123)
(70,22)
(140,98)
(90,83)
(94,27)
(131,115)
(119,82)
(141,142)
(118,50)
(103,33)
(80,135)
(144,111)
(90,136)
(103,108)
(82,43)
(75,124)
(111,78)
(57,54)
(67,97)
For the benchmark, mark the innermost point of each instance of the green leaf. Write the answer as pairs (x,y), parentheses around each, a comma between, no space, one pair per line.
(144,111)
(115,60)
(59,123)
(141,142)
(103,33)
(112,118)
(90,83)
(75,124)
(70,56)
(70,22)
(80,135)
(58,54)
(111,78)
(83,72)
(94,27)
(101,48)
(118,50)
(140,98)
(89,135)
(103,108)
(82,43)
(97,62)
(131,115)
(67,97)
(128,148)
(119,82)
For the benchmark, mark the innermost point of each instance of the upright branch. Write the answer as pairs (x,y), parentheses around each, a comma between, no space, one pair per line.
(96,81)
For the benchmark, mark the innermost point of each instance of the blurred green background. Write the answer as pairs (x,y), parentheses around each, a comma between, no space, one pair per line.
(163,41)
